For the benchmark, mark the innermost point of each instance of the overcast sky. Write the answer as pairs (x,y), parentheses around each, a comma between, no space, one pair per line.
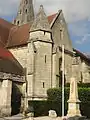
(76,12)
(73,9)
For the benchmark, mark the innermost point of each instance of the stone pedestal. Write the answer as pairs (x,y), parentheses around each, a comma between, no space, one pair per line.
(73,108)
(73,102)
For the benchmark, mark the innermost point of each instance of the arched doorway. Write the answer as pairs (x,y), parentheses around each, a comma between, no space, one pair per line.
(15,99)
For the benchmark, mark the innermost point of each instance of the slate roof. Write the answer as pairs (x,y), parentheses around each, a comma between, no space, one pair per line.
(4,31)
(19,35)
(8,63)
(82,55)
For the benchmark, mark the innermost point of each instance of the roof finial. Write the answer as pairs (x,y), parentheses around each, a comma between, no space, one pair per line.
(41,6)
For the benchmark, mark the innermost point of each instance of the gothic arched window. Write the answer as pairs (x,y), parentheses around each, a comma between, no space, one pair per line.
(17,22)
(26,11)
(26,1)
(20,11)
(61,32)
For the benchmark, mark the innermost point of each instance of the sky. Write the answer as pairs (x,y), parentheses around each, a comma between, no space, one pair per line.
(76,13)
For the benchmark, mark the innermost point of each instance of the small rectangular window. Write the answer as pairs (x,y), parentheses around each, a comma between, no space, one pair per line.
(17,22)
(43,85)
(26,11)
(26,1)
(60,34)
(44,32)
(45,58)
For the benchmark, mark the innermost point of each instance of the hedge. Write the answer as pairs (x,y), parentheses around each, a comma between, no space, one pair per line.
(84,97)
(82,85)
(41,108)
(56,96)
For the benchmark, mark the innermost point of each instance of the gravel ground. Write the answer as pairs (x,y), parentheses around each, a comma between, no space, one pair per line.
(20,117)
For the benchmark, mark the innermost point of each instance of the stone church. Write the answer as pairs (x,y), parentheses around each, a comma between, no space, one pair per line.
(31,57)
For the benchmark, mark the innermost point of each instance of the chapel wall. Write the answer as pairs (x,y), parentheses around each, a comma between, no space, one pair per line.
(5,97)
(20,53)
(43,68)
(60,33)
(85,72)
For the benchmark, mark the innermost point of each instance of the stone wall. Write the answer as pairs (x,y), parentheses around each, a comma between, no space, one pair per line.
(57,67)
(7,81)
(39,69)
(81,70)
(77,72)
(54,72)
(20,53)
(5,97)
(60,33)
(30,69)
(85,70)
(43,68)
(68,67)
(61,38)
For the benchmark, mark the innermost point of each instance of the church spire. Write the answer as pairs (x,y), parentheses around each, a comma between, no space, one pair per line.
(25,12)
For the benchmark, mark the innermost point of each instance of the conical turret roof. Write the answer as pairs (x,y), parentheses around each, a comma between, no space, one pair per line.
(41,21)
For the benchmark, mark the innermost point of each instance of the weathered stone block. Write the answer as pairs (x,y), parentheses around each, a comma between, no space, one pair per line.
(52,113)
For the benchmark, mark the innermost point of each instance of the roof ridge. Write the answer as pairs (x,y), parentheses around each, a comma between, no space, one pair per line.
(10,34)
(1,41)
(58,13)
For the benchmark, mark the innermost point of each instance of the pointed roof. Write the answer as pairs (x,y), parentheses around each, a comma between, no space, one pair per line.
(41,21)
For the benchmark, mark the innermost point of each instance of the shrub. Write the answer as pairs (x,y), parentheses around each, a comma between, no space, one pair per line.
(82,85)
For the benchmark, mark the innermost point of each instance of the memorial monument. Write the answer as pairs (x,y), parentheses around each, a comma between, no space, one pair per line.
(73,102)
